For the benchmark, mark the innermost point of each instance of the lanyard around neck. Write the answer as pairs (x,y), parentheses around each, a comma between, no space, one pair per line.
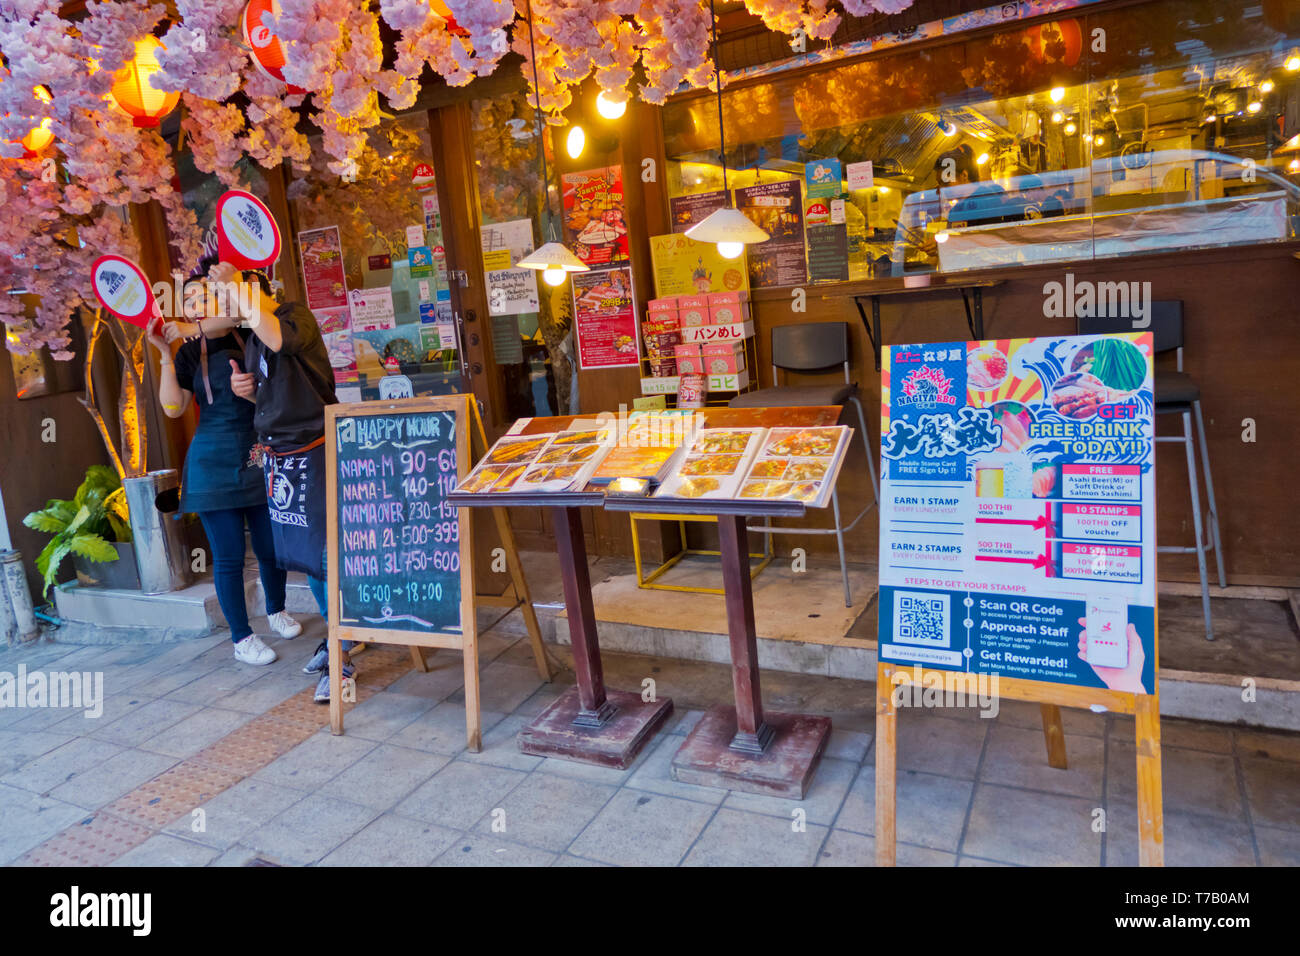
(203,359)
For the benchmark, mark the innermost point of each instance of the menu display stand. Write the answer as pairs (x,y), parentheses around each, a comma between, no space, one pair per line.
(587,723)
(742,747)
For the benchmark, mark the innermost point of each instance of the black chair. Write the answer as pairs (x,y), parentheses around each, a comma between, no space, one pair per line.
(817,347)
(1177,393)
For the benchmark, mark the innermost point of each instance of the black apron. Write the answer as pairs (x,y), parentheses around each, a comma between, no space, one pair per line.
(295,493)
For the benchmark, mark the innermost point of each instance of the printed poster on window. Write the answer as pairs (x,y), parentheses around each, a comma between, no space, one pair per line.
(686,211)
(594,224)
(372,309)
(685,267)
(1017,509)
(321,251)
(511,291)
(336,329)
(604,318)
(777,208)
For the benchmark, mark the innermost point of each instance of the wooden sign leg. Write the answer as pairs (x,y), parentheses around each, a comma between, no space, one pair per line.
(473,720)
(336,684)
(1054,735)
(418,661)
(1151,818)
(886,767)
(521,592)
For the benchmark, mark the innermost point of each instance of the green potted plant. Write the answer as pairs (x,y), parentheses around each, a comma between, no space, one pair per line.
(94,527)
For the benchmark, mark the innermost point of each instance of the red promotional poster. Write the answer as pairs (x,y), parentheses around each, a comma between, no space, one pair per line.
(247,235)
(322,268)
(123,289)
(604,318)
(594,225)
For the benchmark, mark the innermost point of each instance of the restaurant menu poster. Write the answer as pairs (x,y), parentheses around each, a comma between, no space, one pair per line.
(686,211)
(595,227)
(1017,509)
(777,208)
(321,251)
(604,318)
(511,291)
(685,267)
(828,241)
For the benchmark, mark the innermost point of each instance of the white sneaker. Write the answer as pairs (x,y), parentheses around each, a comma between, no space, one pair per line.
(251,650)
(284,625)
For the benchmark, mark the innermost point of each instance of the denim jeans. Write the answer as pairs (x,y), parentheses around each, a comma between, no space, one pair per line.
(317,586)
(225,531)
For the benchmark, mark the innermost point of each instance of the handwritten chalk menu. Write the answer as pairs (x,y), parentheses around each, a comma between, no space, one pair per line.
(1017,509)
(397,546)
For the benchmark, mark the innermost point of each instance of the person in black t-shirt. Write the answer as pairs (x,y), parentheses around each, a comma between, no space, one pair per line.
(220,485)
(286,373)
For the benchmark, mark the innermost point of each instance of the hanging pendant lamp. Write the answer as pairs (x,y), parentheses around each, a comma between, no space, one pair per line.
(730,228)
(553,258)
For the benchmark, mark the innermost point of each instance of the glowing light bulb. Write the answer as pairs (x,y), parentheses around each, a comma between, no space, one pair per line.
(981,159)
(730,250)
(1057,94)
(1058,117)
(553,275)
(941,237)
(1071,129)
(607,108)
(1254,107)
(1267,86)
(576,142)
(1292,63)
(1099,140)
(1293,166)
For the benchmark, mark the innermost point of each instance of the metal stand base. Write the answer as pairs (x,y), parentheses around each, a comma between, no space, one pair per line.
(565,730)
(783,768)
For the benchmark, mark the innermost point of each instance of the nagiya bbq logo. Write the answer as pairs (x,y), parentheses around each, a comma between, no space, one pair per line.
(926,387)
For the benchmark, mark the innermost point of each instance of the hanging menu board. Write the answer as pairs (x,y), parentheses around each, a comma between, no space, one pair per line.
(1017,510)
(394,541)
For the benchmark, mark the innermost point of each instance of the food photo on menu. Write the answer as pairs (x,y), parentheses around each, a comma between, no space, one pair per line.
(552,462)
(714,465)
(799,464)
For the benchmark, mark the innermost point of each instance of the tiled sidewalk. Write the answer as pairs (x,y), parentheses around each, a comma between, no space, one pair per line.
(186,729)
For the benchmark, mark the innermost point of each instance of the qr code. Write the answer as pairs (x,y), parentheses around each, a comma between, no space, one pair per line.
(921,619)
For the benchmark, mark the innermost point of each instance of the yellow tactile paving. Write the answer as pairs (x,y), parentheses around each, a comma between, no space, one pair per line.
(138,815)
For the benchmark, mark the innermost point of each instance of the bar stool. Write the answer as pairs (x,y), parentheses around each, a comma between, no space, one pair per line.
(1177,393)
(816,347)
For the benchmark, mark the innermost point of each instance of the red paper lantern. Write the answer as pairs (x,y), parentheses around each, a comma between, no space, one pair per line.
(132,91)
(257,24)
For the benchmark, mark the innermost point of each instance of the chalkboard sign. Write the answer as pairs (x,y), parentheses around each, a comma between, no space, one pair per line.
(398,540)
(399,555)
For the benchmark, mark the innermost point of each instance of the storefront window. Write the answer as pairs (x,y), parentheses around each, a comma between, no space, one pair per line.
(530,320)
(374,270)
(1157,127)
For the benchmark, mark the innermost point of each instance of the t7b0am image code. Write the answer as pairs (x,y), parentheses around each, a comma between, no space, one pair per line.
(921,619)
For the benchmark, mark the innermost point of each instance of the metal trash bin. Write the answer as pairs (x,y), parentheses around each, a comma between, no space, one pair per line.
(160,553)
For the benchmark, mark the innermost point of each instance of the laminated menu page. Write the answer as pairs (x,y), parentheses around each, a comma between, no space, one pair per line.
(715,464)
(647,446)
(559,461)
(798,464)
